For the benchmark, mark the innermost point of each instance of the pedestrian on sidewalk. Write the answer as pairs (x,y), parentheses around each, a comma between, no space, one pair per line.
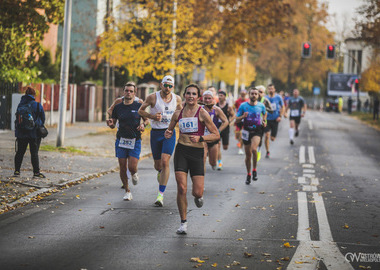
(128,136)
(189,151)
(29,115)
(162,105)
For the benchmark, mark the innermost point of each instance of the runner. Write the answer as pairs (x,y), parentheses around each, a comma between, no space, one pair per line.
(162,106)
(273,118)
(220,121)
(189,151)
(225,133)
(268,107)
(297,107)
(254,115)
(238,127)
(128,136)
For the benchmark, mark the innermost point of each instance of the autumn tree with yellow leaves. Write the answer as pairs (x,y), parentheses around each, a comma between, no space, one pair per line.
(280,57)
(206,33)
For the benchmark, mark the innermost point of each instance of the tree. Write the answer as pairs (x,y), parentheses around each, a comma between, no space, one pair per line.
(368,27)
(205,30)
(23,24)
(280,57)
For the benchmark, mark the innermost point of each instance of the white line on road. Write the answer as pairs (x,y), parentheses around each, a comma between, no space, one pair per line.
(314,181)
(308,171)
(324,227)
(301,180)
(309,188)
(311,154)
(303,233)
(310,166)
(302,154)
(310,124)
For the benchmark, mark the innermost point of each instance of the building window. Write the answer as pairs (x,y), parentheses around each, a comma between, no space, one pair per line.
(355,61)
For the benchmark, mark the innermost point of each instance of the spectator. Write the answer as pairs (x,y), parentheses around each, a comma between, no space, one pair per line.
(349,105)
(366,105)
(376,104)
(26,134)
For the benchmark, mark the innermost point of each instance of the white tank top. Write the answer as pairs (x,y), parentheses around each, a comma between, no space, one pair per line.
(167,110)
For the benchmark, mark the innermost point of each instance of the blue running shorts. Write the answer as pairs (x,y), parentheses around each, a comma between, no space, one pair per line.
(125,153)
(159,144)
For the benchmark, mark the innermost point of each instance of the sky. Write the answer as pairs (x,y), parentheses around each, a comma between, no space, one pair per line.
(345,12)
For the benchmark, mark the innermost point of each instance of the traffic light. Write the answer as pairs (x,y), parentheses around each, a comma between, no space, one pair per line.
(330,52)
(306,50)
(356,85)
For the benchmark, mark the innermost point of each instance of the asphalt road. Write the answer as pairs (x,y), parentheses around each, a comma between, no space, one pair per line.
(314,206)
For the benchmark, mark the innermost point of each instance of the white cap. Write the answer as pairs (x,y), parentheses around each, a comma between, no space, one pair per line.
(168,79)
(207,92)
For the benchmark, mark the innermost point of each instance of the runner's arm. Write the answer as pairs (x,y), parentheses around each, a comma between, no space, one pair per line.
(142,110)
(223,118)
(173,122)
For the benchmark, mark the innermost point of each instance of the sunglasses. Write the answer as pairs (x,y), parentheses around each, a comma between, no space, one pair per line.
(129,91)
(168,85)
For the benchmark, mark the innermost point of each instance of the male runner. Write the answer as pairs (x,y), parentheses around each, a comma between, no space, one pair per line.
(297,107)
(225,133)
(268,107)
(254,115)
(238,127)
(162,104)
(128,137)
(274,118)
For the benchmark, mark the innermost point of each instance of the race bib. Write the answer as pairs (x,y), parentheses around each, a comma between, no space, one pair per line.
(294,113)
(188,125)
(127,143)
(245,135)
(274,106)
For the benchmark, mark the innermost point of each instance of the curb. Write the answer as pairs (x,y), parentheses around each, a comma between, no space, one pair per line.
(34,195)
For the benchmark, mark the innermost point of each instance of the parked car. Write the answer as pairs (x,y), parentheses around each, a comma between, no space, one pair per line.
(332,105)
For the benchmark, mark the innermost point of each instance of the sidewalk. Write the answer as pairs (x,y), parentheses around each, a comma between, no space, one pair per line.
(61,169)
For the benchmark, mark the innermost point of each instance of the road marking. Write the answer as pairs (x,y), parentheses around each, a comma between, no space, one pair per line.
(301,180)
(310,124)
(302,154)
(310,166)
(311,154)
(303,233)
(324,227)
(309,253)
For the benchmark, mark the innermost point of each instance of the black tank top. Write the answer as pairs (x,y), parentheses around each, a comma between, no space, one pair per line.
(225,110)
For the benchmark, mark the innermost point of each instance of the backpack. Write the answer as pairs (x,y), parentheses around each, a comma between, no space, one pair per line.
(24,117)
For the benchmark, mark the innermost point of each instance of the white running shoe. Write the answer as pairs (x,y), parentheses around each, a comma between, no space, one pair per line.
(160,200)
(182,229)
(198,202)
(135,179)
(127,196)
(241,151)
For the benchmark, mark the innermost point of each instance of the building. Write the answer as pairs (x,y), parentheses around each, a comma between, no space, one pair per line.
(358,56)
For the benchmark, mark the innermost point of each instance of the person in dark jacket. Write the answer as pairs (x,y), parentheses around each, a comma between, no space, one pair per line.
(29,137)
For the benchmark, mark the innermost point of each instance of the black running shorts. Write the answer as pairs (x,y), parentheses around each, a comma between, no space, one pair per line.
(188,158)
(272,126)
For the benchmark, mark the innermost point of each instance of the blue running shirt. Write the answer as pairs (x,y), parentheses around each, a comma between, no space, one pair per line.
(277,104)
(255,115)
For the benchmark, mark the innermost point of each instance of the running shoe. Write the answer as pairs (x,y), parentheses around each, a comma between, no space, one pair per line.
(182,229)
(220,166)
(135,179)
(38,175)
(241,152)
(291,142)
(16,173)
(158,176)
(127,196)
(296,133)
(267,155)
(254,175)
(238,145)
(258,155)
(198,202)
(248,181)
(160,200)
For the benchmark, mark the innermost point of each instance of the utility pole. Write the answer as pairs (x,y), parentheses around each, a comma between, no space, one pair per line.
(106,70)
(173,43)
(236,86)
(64,73)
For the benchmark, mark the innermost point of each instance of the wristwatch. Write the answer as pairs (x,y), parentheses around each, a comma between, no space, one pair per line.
(201,139)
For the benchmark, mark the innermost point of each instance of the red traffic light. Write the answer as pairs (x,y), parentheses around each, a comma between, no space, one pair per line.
(331,47)
(306,50)
(306,45)
(356,81)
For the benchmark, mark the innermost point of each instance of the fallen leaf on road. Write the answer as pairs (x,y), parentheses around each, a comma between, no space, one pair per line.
(266,254)
(214,265)
(285,259)
(247,255)
(77,196)
(235,263)
(101,227)
(196,259)
(232,189)
(31,237)
(244,267)
(166,252)
(229,254)
(287,245)
(297,262)
(237,205)
(345,226)
(205,215)
(240,239)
